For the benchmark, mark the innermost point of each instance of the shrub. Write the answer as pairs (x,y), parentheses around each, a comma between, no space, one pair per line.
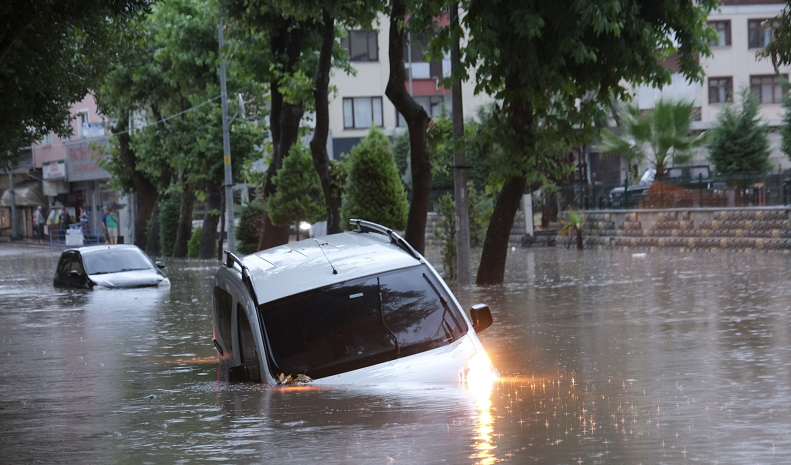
(299,196)
(194,243)
(373,190)
(251,218)
(446,232)
(168,224)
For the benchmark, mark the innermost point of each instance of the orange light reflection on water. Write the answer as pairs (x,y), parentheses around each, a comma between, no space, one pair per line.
(480,385)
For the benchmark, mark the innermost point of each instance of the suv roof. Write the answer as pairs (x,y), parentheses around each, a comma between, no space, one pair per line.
(308,264)
(98,248)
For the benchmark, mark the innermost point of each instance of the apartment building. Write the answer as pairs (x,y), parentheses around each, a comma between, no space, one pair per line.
(360,101)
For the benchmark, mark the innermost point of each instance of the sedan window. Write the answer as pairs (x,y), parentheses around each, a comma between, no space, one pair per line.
(115,260)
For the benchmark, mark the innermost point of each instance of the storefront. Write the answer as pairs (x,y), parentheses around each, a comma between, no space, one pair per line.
(88,186)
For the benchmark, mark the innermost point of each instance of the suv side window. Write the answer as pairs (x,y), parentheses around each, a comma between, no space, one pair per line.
(420,317)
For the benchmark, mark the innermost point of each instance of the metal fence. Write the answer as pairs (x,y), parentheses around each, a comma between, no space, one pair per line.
(745,190)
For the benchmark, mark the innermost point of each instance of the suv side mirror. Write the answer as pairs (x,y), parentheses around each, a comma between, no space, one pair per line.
(481,317)
(159,264)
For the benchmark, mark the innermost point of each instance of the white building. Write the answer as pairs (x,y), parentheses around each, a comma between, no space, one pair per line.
(361,102)
(732,66)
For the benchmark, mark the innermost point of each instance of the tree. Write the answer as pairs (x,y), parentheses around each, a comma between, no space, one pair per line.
(169,77)
(299,195)
(51,54)
(373,190)
(738,142)
(552,67)
(663,136)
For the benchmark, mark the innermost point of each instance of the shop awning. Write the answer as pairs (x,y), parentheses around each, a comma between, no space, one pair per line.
(28,194)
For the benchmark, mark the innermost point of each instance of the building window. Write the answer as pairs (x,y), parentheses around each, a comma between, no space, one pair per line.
(433,104)
(361,45)
(758,33)
(46,140)
(82,118)
(768,88)
(723,29)
(362,112)
(720,90)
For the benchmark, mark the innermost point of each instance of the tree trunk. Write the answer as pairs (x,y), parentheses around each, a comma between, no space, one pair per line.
(318,145)
(417,122)
(579,238)
(495,246)
(184,230)
(152,241)
(284,122)
(208,238)
(145,191)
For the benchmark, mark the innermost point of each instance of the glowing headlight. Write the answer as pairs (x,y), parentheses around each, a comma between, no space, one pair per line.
(479,371)
(304,225)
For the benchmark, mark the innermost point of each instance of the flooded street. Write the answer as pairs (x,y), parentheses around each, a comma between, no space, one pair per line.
(606,356)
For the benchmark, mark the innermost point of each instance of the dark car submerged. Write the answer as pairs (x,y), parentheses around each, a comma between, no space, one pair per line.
(110,266)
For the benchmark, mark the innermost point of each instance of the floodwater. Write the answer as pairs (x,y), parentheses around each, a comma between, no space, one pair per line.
(606,356)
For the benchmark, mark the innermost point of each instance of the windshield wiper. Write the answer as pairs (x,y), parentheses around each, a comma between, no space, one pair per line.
(131,269)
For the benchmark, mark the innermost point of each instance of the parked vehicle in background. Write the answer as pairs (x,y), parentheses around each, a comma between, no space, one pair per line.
(360,307)
(110,266)
(686,176)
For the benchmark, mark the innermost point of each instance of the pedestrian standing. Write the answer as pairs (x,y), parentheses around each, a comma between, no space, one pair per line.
(112,227)
(39,217)
(105,233)
(65,222)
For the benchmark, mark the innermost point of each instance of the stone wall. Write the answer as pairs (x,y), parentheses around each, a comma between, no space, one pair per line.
(699,228)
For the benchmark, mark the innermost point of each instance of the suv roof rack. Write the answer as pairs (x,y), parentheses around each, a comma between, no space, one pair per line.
(367,226)
(230,259)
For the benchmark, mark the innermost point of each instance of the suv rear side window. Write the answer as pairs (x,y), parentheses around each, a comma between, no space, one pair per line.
(357,323)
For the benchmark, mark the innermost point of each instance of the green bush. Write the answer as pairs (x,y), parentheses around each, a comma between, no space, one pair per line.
(168,224)
(374,191)
(299,196)
(480,207)
(446,232)
(251,218)
(194,243)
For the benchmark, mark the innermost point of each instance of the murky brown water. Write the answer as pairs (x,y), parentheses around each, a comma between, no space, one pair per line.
(606,357)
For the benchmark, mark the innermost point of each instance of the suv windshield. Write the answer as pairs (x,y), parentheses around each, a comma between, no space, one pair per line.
(358,323)
(114,261)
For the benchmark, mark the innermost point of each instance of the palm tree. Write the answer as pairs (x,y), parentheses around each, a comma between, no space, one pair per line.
(576,224)
(661,135)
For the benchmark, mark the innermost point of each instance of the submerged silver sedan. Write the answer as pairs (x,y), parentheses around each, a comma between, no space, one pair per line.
(110,266)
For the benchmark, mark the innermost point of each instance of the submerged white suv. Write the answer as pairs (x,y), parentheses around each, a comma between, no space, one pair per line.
(360,307)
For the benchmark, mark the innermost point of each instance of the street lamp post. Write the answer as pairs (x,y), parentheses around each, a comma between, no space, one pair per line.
(226,144)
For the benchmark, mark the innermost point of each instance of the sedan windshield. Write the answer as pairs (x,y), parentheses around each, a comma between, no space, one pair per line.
(115,260)
(359,323)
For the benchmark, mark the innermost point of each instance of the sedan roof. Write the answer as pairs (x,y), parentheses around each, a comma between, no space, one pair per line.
(301,266)
(100,248)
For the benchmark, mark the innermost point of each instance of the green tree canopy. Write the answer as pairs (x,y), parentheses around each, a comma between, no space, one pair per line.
(663,136)
(374,191)
(738,143)
(298,196)
(52,52)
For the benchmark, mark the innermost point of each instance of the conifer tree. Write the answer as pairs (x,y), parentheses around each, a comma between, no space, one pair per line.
(374,191)
(738,142)
(299,196)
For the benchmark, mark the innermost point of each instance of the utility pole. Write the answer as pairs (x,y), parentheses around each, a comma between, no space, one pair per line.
(463,273)
(226,145)
(14,226)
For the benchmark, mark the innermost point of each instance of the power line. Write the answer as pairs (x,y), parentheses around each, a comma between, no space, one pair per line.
(169,117)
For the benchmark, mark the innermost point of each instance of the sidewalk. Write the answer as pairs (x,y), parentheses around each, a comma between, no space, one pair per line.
(24,247)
